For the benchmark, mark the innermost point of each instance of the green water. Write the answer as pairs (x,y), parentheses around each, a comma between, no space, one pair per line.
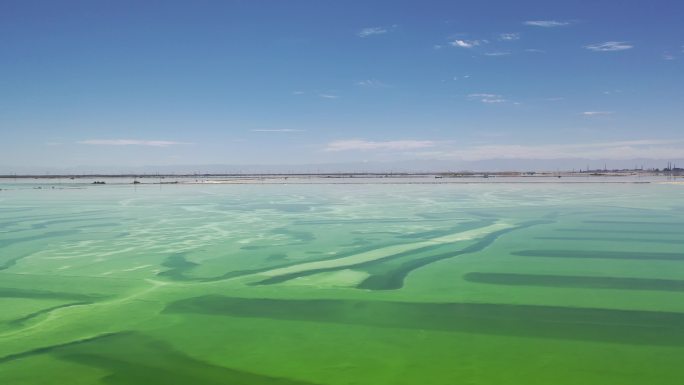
(546,283)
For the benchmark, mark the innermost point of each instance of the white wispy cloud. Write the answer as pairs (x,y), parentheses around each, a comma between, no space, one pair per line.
(488,98)
(509,36)
(535,50)
(276,130)
(427,149)
(668,56)
(328,96)
(610,92)
(371,83)
(466,43)
(370,31)
(547,23)
(497,53)
(609,46)
(366,145)
(617,150)
(129,142)
(597,113)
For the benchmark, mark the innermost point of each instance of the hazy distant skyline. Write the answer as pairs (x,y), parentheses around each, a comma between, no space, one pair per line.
(135,84)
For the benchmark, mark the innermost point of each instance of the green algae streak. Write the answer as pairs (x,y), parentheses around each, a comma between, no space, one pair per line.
(290,284)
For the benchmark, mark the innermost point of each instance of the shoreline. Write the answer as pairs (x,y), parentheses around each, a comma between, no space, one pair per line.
(345,175)
(120,181)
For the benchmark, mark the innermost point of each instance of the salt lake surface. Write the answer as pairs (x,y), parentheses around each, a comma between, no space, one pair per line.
(378,283)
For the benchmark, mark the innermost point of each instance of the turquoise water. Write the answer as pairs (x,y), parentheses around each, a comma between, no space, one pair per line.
(368,283)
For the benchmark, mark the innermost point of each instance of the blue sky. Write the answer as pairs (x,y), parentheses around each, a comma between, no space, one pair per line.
(163,83)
